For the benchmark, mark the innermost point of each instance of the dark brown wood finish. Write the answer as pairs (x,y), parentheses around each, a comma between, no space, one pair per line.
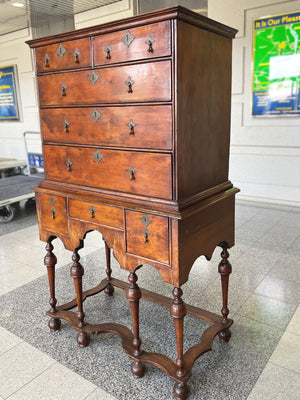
(135,126)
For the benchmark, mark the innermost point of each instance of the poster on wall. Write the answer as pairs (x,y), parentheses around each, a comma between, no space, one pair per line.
(9,104)
(276,65)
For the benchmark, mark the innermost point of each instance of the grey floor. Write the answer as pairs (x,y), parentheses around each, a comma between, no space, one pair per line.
(262,360)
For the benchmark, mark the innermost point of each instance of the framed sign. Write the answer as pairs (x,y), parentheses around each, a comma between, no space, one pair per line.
(9,104)
(276,65)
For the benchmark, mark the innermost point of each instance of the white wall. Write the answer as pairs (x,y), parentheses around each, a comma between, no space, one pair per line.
(265,152)
(14,50)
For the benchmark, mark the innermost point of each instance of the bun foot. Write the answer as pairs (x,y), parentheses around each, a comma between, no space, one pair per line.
(181,390)
(83,339)
(109,290)
(225,335)
(138,369)
(54,324)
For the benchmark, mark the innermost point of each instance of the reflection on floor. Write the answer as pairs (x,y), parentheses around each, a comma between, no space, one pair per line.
(262,361)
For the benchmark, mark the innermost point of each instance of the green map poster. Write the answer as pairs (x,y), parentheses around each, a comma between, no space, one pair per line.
(276,65)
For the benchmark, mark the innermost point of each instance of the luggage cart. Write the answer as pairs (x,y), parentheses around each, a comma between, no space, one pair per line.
(17,188)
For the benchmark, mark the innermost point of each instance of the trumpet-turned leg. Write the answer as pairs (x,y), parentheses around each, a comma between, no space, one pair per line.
(178,312)
(50,262)
(77,272)
(109,290)
(133,295)
(225,270)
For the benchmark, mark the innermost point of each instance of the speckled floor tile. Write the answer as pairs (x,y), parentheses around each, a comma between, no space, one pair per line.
(287,267)
(268,311)
(19,365)
(231,368)
(287,353)
(294,325)
(100,394)
(56,383)
(7,340)
(276,383)
(280,289)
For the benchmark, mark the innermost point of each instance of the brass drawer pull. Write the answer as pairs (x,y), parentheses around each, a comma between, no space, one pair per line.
(76,54)
(68,164)
(53,212)
(129,83)
(150,40)
(131,125)
(66,126)
(63,89)
(146,234)
(52,202)
(132,171)
(146,222)
(92,211)
(108,50)
(46,59)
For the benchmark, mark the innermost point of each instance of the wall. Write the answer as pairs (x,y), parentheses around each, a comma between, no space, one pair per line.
(14,50)
(265,152)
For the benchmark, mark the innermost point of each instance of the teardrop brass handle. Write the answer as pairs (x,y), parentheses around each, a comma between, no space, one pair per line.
(131,125)
(68,164)
(108,50)
(66,126)
(132,171)
(150,40)
(76,55)
(129,83)
(92,211)
(53,212)
(63,89)
(145,237)
(46,59)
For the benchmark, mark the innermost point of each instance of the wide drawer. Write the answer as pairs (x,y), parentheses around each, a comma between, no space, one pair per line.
(96,213)
(141,127)
(147,174)
(53,212)
(64,55)
(133,44)
(130,83)
(147,236)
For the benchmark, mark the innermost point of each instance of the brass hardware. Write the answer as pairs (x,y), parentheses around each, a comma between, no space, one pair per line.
(132,171)
(92,210)
(93,77)
(146,234)
(63,89)
(52,201)
(66,126)
(108,50)
(150,40)
(98,156)
(53,212)
(131,125)
(95,115)
(76,54)
(146,222)
(68,164)
(129,83)
(128,38)
(60,51)
(46,59)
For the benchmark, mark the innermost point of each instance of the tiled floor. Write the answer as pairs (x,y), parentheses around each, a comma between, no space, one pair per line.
(264,292)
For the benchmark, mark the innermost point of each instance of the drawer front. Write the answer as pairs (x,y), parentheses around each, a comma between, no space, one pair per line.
(147,174)
(133,44)
(148,82)
(147,236)
(53,213)
(63,55)
(140,127)
(96,213)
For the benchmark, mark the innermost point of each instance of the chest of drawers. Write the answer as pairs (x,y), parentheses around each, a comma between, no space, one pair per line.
(135,122)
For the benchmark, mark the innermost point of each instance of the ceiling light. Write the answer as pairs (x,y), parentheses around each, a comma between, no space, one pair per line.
(18,4)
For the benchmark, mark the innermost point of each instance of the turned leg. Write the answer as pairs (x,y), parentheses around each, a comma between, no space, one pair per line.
(77,272)
(225,271)
(50,262)
(109,290)
(133,295)
(178,312)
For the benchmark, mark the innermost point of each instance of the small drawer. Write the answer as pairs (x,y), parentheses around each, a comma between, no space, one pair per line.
(133,44)
(64,55)
(147,174)
(53,213)
(147,236)
(140,127)
(96,213)
(129,83)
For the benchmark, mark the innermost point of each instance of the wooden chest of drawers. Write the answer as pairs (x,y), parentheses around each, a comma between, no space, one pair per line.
(135,122)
